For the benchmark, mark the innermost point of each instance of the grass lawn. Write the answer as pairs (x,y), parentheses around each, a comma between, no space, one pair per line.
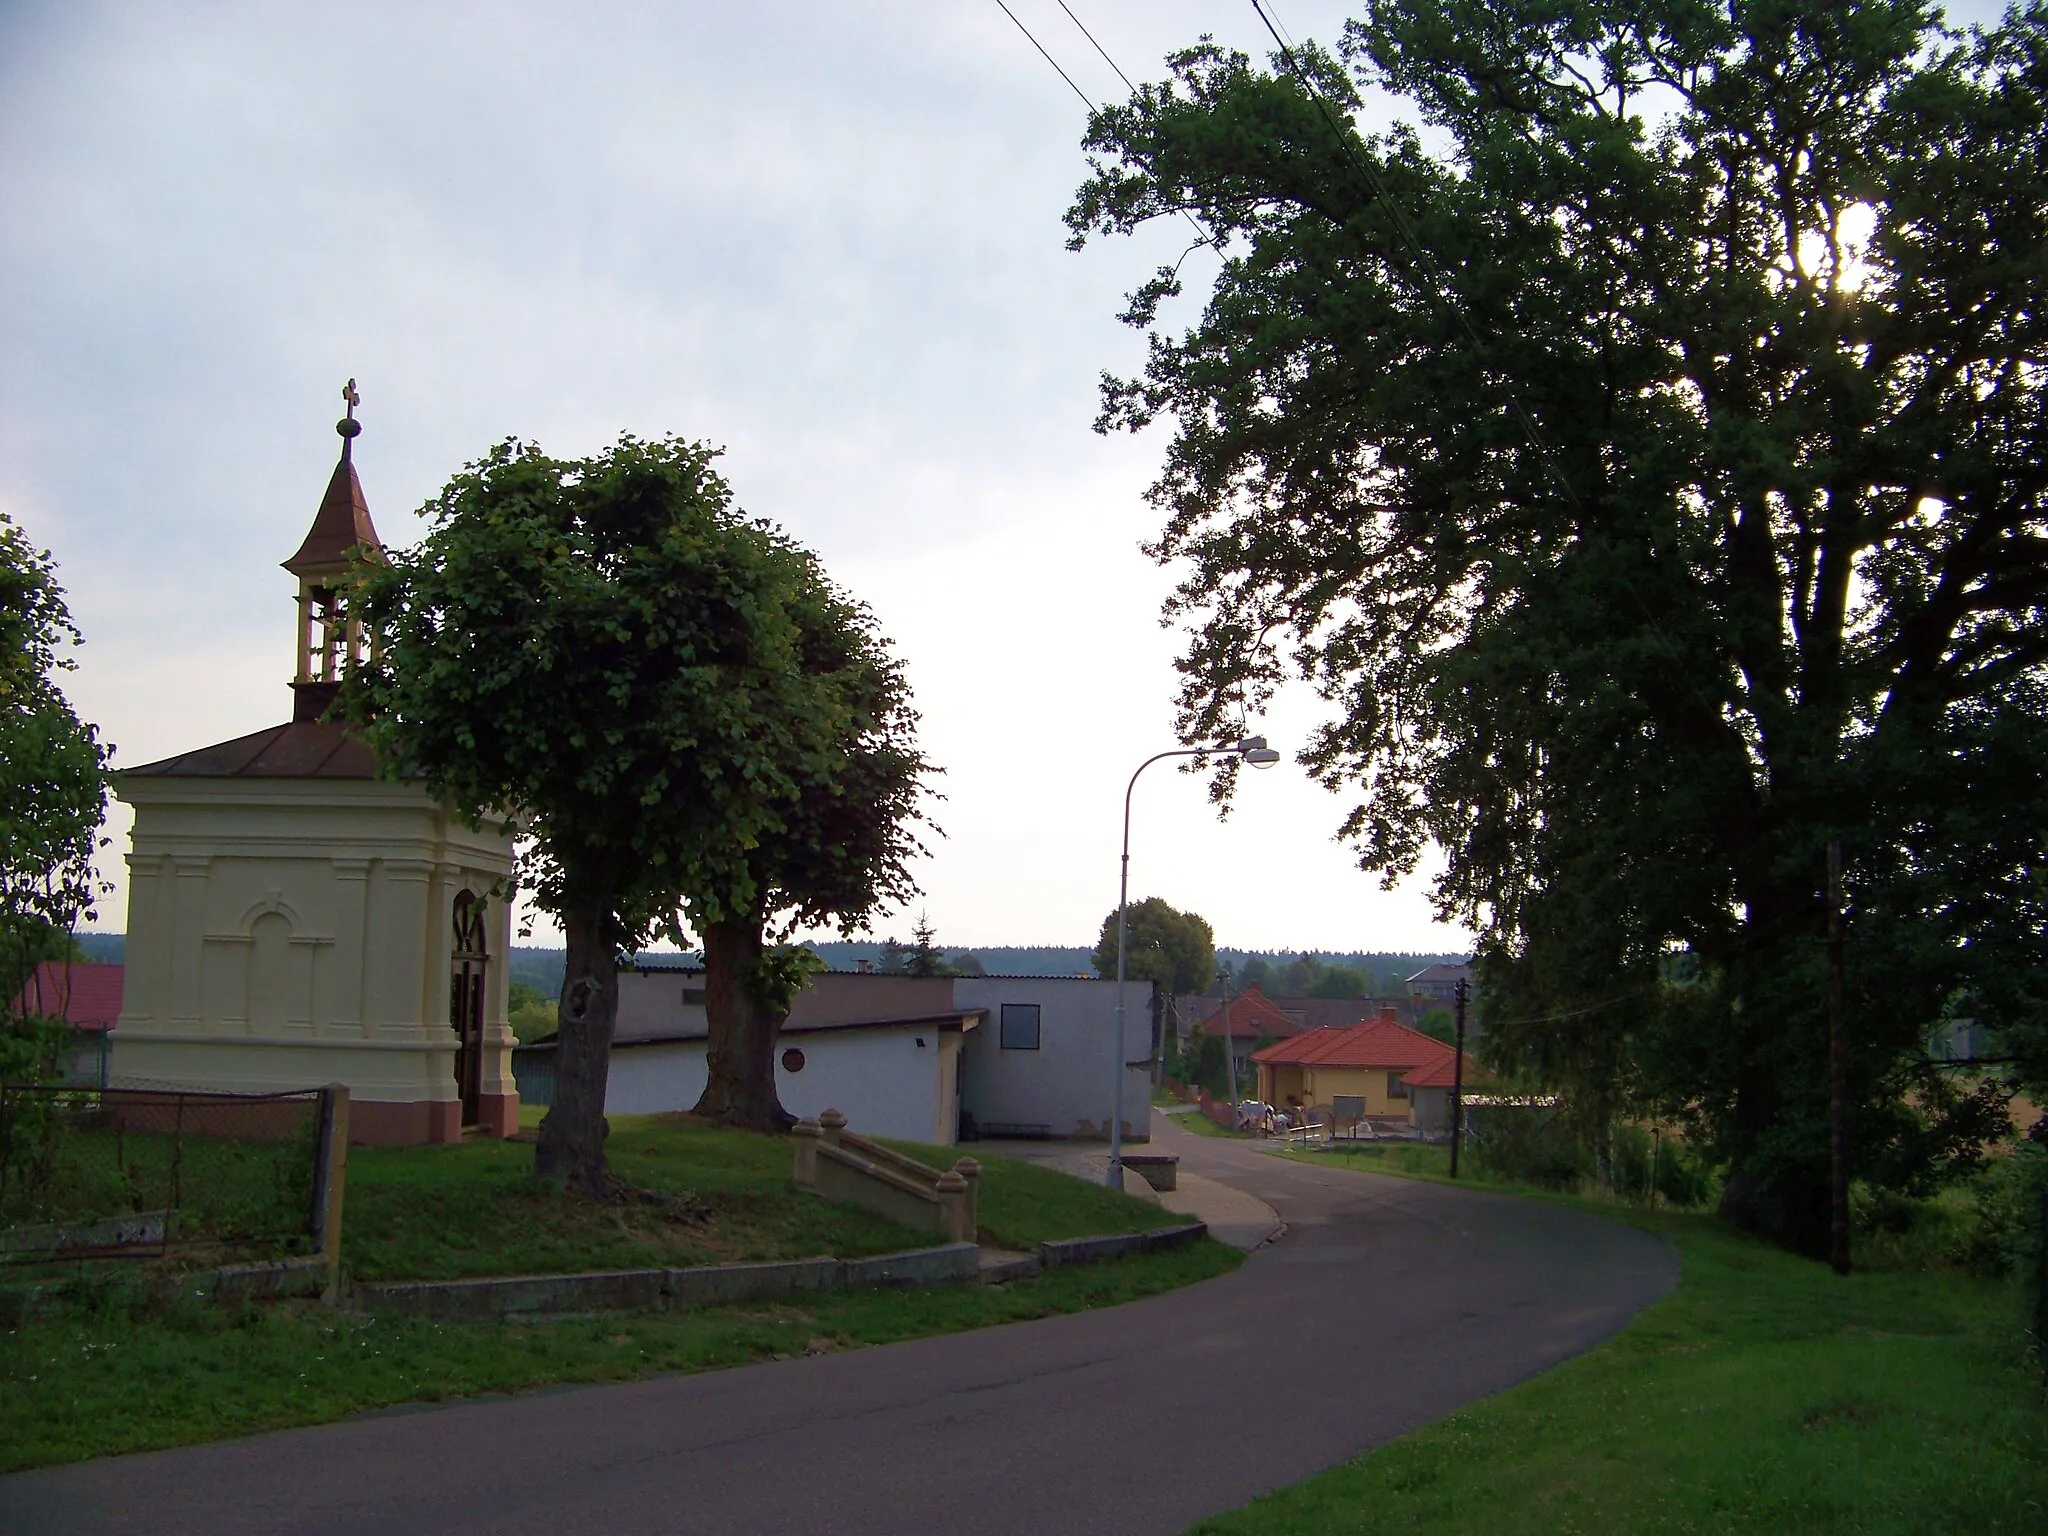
(105,1381)
(1202,1125)
(1764,1395)
(441,1213)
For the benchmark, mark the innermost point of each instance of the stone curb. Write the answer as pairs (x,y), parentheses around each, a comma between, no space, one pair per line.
(506,1298)
(1088,1250)
(272,1281)
(512,1297)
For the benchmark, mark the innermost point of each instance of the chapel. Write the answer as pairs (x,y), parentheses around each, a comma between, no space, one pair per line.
(296,920)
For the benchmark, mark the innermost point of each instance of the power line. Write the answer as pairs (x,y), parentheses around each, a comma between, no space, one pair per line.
(1204,237)
(1086,100)
(1098,47)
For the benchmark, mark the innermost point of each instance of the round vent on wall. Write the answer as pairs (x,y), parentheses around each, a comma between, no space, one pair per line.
(792,1060)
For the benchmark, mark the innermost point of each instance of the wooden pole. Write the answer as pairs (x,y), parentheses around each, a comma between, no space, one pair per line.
(1458,1083)
(331,1178)
(1838,1077)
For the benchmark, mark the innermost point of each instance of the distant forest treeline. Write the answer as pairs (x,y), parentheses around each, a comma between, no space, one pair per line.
(541,969)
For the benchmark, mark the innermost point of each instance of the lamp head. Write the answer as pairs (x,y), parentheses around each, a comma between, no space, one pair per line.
(1261,757)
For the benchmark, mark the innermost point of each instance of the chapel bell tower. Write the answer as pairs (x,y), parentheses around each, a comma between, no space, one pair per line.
(297,917)
(342,534)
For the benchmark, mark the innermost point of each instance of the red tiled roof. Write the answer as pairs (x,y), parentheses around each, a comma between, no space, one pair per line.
(1440,1074)
(1249,1015)
(1375,1045)
(1423,1062)
(87,997)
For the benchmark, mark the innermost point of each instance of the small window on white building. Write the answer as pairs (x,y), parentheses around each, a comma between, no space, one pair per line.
(1020,1027)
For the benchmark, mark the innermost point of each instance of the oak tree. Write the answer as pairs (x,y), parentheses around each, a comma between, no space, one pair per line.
(1647,467)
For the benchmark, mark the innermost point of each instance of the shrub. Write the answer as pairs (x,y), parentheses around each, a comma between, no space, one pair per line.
(1529,1145)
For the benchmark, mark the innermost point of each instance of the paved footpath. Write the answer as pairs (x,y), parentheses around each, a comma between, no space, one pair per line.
(1385,1304)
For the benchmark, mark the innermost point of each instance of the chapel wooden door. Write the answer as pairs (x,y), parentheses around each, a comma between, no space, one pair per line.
(466,1002)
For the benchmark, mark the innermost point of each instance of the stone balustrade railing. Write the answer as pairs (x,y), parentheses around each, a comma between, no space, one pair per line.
(835,1164)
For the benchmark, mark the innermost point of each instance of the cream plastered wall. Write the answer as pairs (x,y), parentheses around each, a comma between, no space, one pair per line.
(1321,1085)
(285,933)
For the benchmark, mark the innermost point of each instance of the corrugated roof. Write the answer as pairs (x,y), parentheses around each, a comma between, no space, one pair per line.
(303,749)
(690,1024)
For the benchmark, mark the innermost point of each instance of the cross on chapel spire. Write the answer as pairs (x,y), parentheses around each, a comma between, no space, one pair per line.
(348,426)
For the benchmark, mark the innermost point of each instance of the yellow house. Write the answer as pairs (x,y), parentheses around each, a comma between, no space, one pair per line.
(1379,1071)
(295,920)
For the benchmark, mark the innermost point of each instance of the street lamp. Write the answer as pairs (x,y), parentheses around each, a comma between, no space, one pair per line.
(1252,750)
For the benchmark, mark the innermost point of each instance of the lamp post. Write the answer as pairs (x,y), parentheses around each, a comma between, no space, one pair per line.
(1253,750)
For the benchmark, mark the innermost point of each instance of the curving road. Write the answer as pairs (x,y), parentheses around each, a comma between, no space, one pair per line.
(1386,1304)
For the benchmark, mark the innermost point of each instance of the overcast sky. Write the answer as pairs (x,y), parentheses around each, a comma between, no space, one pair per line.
(827,237)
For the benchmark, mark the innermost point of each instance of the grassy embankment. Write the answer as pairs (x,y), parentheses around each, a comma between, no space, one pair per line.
(1764,1395)
(1201,1125)
(110,1374)
(447,1213)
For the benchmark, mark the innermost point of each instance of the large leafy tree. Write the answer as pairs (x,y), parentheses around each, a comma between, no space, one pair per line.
(1174,950)
(53,783)
(674,704)
(836,850)
(1648,469)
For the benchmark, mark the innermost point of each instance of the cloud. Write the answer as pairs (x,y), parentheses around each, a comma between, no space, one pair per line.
(826,237)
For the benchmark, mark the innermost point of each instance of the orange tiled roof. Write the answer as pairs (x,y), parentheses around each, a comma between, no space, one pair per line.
(1378,1046)
(1250,1014)
(1439,1074)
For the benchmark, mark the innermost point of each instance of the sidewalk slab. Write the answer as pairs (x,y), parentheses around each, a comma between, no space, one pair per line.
(1234,1217)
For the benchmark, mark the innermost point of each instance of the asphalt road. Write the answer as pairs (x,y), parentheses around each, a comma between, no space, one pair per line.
(1386,1304)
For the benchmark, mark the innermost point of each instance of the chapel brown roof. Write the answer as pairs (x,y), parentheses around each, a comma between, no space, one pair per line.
(343,522)
(304,749)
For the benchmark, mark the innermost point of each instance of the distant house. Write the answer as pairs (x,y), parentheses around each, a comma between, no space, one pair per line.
(1379,1071)
(1247,1018)
(930,1059)
(1436,986)
(1308,1012)
(88,998)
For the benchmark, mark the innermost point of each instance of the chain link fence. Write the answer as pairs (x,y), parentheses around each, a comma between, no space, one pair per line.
(99,1173)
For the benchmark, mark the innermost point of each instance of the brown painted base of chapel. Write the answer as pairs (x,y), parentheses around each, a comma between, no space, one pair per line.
(433,1122)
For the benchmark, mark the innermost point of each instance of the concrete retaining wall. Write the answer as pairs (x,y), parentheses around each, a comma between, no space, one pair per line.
(1087,1250)
(511,1297)
(515,1297)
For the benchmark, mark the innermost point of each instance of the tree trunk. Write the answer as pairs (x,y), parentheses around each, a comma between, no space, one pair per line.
(739,1057)
(1777,1185)
(571,1145)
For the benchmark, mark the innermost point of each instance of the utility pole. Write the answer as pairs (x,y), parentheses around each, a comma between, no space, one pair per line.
(1229,1057)
(1838,1076)
(1458,1083)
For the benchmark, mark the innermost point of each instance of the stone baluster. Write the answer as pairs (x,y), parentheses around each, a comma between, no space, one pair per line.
(970,1171)
(952,1190)
(832,1123)
(807,1133)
